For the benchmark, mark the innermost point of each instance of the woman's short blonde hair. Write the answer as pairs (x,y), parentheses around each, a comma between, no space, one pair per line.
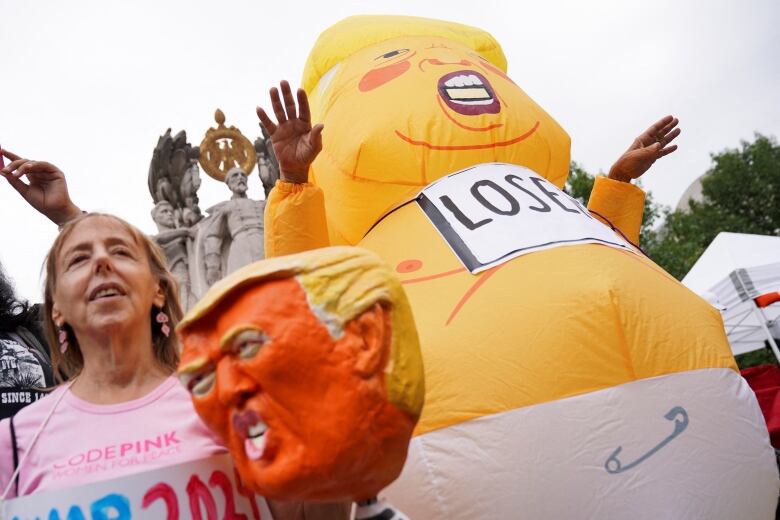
(166,349)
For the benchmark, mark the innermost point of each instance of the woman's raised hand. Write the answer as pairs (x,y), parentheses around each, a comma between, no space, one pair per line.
(45,189)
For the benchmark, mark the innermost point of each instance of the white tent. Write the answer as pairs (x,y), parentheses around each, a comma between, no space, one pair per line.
(734,270)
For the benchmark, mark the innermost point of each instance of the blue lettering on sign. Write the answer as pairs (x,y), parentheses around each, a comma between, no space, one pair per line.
(111,507)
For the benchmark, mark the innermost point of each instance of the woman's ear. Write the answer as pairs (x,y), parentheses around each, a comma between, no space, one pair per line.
(373,331)
(56,316)
(159,296)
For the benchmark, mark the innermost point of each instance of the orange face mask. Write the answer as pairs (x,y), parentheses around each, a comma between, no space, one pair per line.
(304,411)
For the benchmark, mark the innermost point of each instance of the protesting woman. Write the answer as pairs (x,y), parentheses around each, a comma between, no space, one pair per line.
(25,367)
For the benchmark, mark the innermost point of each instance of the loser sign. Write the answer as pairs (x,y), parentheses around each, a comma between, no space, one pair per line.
(207,489)
(491,213)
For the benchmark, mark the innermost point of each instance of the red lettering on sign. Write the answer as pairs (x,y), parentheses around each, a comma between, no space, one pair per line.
(220,480)
(164,492)
(198,493)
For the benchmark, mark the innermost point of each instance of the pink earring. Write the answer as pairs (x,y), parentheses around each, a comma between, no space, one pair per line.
(162,319)
(62,338)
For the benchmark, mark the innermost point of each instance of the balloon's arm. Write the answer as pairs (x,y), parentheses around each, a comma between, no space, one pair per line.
(294,219)
(621,203)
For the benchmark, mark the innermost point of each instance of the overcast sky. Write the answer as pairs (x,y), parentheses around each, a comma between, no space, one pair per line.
(90,85)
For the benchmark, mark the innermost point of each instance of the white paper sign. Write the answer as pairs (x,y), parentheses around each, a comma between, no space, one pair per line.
(207,489)
(493,212)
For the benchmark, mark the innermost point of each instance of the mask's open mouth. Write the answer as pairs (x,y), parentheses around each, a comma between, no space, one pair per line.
(253,429)
(469,93)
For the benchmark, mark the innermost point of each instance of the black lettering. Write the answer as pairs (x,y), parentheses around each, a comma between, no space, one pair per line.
(514,179)
(462,218)
(551,194)
(514,206)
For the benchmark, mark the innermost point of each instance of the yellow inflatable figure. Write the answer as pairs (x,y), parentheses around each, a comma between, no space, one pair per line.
(567,376)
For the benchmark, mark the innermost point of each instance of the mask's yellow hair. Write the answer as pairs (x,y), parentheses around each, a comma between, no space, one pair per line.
(340,283)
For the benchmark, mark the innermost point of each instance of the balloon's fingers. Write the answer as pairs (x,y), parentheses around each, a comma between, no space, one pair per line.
(667,150)
(303,106)
(266,121)
(289,102)
(671,136)
(276,104)
(316,137)
(659,125)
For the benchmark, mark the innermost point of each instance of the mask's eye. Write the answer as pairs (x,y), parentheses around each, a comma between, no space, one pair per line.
(392,54)
(201,382)
(248,343)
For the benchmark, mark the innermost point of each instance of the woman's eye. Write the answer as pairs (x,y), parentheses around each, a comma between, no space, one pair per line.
(77,260)
(122,251)
(392,54)
(199,384)
(248,343)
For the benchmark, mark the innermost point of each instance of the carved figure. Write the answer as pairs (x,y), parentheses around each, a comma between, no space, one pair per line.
(175,244)
(174,178)
(308,368)
(267,165)
(234,233)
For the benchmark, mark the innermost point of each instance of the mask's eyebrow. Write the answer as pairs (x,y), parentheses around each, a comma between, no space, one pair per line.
(193,366)
(226,342)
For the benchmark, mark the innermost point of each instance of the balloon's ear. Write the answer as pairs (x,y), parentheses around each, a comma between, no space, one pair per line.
(372,332)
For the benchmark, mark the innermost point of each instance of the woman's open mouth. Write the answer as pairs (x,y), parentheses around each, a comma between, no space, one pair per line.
(469,93)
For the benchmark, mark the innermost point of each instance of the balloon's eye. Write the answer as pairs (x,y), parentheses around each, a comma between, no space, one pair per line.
(392,54)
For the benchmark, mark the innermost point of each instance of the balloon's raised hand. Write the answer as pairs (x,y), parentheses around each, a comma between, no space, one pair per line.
(296,143)
(45,189)
(650,146)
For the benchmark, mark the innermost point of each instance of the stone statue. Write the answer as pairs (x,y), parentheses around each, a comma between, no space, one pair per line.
(233,236)
(267,165)
(175,243)
(202,249)
(174,177)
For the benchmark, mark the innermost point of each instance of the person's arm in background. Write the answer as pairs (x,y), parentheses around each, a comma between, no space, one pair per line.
(295,211)
(614,198)
(6,460)
(45,189)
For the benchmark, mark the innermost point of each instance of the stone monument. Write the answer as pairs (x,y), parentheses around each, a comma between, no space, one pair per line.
(202,249)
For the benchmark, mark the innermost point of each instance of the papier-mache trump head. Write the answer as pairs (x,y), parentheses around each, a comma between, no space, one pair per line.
(308,369)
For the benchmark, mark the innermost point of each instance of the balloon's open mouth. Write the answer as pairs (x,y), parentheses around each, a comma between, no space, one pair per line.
(469,93)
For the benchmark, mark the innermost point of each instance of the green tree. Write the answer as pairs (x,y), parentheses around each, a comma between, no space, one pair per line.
(740,194)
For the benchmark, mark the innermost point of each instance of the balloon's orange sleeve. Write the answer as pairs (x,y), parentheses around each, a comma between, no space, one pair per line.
(621,203)
(294,219)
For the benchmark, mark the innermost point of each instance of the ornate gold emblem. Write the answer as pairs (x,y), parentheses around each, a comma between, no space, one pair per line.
(224,148)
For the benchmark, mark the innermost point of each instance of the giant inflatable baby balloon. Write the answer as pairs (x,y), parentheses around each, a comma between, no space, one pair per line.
(567,376)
